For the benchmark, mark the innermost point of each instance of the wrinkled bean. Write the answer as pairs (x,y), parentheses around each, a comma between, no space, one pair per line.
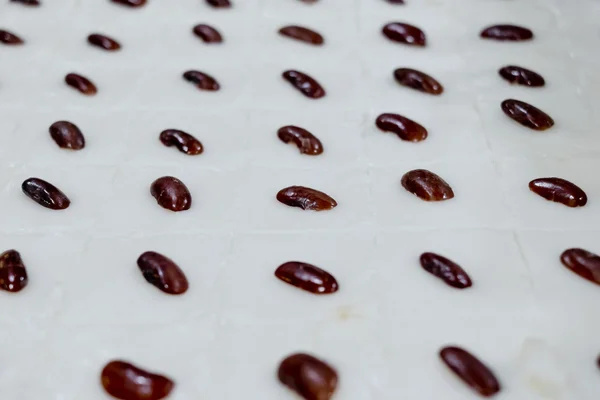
(13,275)
(527,115)
(103,42)
(427,185)
(507,33)
(418,80)
(207,33)
(162,272)
(185,142)
(81,83)
(45,194)
(306,142)
(404,33)
(302,34)
(521,76)
(67,135)
(584,263)
(10,38)
(560,191)
(125,381)
(304,83)
(171,193)
(404,128)
(309,377)
(305,198)
(307,277)
(472,371)
(448,271)
(202,81)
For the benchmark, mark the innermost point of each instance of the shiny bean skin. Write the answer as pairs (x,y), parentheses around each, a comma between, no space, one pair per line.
(527,115)
(81,83)
(404,33)
(13,275)
(427,185)
(584,263)
(67,135)
(103,42)
(202,81)
(560,191)
(306,142)
(521,76)
(404,128)
(45,194)
(307,277)
(306,198)
(302,34)
(184,142)
(304,84)
(162,272)
(309,377)
(447,270)
(207,33)
(125,381)
(507,33)
(418,80)
(472,371)
(10,38)
(171,193)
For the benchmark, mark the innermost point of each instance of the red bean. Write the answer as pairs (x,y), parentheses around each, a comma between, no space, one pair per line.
(507,33)
(302,34)
(404,128)
(13,275)
(306,142)
(307,277)
(219,3)
(67,135)
(472,371)
(130,3)
(125,381)
(207,33)
(162,272)
(584,263)
(527,115)
(171,193)
(45,194)
(447,270)
(404,33)
(427,185)
(34,3)
(306,198)
(309,377)
(81,83)
(305,84)
(104,42)
(202,81)
(10,38)
(184,142)
(418,80)
(560,191)
(521,76)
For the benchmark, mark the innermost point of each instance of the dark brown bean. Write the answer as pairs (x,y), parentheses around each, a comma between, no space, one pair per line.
(306,142)
(560,191)
(307,277)
(584,263)
(527,115)
(472,371)
(81,83)
(507,33)
(171,193)
(395,1)
(448,271)
(405,128)
(302,34)
(309,1)
(10,38)
(521,76)
(202,81)
(163,273)
(207,33)
(130,3)
(67,135)
(427,185)
(418,80)
(404,33)
(305,198)
(45,194)
(304,83)
(13,275)
(103,42)
(598,361)
(34,3)
(219,3)
(185,142)
(308,376)
(125,381)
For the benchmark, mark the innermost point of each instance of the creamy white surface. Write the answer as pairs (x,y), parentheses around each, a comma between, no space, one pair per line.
(530,319)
